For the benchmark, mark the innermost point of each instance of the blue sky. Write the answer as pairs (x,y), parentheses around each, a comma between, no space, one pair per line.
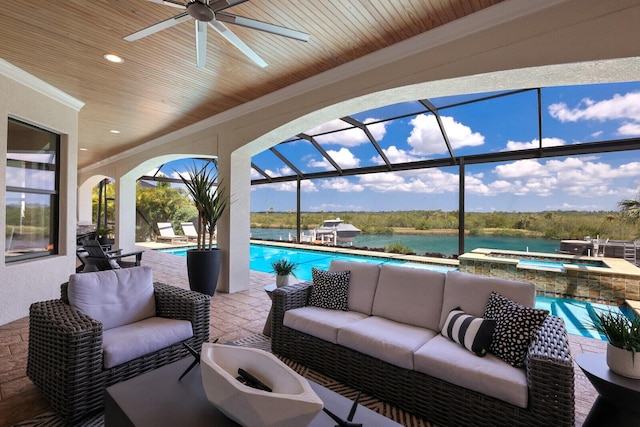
(570,115)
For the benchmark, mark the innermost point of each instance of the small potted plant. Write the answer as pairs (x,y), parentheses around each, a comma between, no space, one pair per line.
(623,334)
(283,269)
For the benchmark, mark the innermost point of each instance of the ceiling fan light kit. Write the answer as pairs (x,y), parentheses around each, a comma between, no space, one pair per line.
(205,11)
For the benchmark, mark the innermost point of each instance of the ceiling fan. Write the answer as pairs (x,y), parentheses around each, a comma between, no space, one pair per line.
(211,13)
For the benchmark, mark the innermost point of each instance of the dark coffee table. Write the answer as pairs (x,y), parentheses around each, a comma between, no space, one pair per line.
(618,396)
(157,398)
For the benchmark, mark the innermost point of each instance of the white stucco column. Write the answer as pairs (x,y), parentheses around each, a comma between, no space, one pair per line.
(85,202)
(125,229)
(233,229)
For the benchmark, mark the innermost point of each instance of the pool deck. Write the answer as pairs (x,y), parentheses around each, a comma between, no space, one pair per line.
(233,316)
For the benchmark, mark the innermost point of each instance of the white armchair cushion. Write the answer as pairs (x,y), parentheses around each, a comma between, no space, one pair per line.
(363,281)
(114,298)
(128,342)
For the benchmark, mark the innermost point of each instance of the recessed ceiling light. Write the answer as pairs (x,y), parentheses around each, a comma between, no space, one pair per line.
(114,131)
(83,149)
(113,58)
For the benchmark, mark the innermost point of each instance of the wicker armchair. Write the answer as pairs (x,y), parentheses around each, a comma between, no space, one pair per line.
(549,370)
(65,349)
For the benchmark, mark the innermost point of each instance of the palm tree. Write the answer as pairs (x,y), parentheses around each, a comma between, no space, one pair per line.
(630,208)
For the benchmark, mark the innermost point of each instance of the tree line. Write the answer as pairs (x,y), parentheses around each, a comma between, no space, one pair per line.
(164,203)
(547,224)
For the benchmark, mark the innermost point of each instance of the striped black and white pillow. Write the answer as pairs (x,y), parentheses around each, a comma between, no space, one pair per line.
(471,332)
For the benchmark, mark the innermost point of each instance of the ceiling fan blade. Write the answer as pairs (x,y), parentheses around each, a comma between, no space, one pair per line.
(201,44)
(239,44)
(167,23)
(171,3)
(262,26)
(217,5)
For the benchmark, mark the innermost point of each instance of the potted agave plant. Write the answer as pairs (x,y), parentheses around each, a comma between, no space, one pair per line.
(203,263)
(623,334)
(283,269)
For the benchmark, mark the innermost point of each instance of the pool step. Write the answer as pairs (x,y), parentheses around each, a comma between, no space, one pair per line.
(634,305)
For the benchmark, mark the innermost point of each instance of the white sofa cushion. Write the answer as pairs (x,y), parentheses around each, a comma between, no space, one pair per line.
(446,360)
(114,298)
(471,292)
(362,283)
(385,339)
(128,342)
(410,295)
(322,323)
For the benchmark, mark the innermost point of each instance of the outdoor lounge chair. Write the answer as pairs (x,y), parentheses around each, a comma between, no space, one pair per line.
(95,258)
(168,233)
(189,230)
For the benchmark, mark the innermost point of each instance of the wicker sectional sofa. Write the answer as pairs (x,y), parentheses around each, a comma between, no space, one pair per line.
(388,344)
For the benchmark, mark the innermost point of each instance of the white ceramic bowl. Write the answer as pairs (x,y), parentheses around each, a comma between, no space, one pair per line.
(292,402)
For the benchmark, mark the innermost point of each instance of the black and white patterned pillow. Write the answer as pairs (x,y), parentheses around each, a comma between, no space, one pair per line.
(473,333)
(515,329)
(330,289)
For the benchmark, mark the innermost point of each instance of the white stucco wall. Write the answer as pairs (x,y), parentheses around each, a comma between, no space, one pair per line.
(30,100)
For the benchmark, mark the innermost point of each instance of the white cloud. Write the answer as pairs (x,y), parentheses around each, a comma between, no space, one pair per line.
(431,181)
(395,155)
(625,106)
(283,171)
(334,207)
(534,143)
(426,138)
(306,186)
(341,185)
(350,137)
(519,168)
(629,129)
(343,157)
(578,177)
(332,125)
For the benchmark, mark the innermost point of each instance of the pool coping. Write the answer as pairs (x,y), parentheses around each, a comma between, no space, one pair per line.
(617,265)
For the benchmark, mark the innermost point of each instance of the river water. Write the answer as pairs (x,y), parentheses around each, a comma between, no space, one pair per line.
(429,243)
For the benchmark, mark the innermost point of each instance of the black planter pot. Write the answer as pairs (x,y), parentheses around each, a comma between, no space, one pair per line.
(203,268)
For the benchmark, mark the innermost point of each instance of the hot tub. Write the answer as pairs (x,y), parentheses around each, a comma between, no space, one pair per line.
(598,279)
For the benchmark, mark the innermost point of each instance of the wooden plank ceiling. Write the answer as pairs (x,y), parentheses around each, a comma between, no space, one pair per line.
(159,88)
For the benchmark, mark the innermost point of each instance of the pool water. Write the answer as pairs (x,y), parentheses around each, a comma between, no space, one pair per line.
(576,314)
(262,256)
(555,265)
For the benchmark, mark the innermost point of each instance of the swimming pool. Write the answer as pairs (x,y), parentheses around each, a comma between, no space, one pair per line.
(261,257)
(576,314)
